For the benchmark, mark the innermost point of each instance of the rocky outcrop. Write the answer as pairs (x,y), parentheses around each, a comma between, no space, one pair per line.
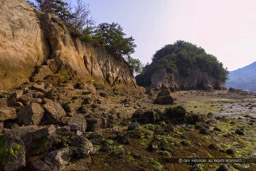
(36,46)
(199,80)
(23,45)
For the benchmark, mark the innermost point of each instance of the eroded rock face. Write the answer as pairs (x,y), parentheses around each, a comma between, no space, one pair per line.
(35,45)
(22,44)
(199,80)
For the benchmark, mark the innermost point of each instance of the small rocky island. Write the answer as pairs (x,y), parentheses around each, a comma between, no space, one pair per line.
(70,105)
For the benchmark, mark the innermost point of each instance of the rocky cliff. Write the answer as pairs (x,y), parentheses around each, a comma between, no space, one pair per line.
(163,79)
(37,46)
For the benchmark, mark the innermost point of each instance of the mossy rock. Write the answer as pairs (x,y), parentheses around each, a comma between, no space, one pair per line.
(12,152)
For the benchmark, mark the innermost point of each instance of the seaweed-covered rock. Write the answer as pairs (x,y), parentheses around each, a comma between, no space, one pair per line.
(12,152)
(175,115)
(239,132)
(144,117)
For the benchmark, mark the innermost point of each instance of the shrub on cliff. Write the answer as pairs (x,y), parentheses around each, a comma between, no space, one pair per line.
(116,42)
(181,59)
(118,45)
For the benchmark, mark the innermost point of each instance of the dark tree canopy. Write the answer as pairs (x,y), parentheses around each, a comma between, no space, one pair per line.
(181,59)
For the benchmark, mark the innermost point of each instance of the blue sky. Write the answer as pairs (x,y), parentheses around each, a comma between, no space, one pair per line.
(224,28)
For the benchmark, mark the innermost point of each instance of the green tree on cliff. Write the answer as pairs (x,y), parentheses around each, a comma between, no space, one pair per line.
(58,7)
(76,13)
(116,42)
(118,45)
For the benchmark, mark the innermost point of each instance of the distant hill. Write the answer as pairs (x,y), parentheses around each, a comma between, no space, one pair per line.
(243,78)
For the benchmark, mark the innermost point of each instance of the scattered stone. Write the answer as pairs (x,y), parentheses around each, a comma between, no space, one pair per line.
(87,100)
(204,131)
(195,168)
(95,138)
(54,112)
(223,168)
(217,129)
(134,126)
(210,115)
(77,122)
(31,114)
(213,147)
(239,132)
(39,165)
(7,112)
(144,117)
(122,139)
(185,143)
(102,94)
(83,147)
(118,152)
(26,98)
(159,144)
(164,100)
(105,148)
(13,97)
(1,127)
(194,118)
(178,113)
(136,155)
(12,152)
(230,151)
(93,124)
(38,87)
(58,158)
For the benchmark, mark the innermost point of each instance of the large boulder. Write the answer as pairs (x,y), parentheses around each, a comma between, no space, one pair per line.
(82,147)
(164,97)
(93,124)
(26,98)
(7,112)
(39,165)
(12,152)
(34,138)
(54,112)
(31,114)
(145,117)
(177,113)
(164,100)
(58,158)
(77,122)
